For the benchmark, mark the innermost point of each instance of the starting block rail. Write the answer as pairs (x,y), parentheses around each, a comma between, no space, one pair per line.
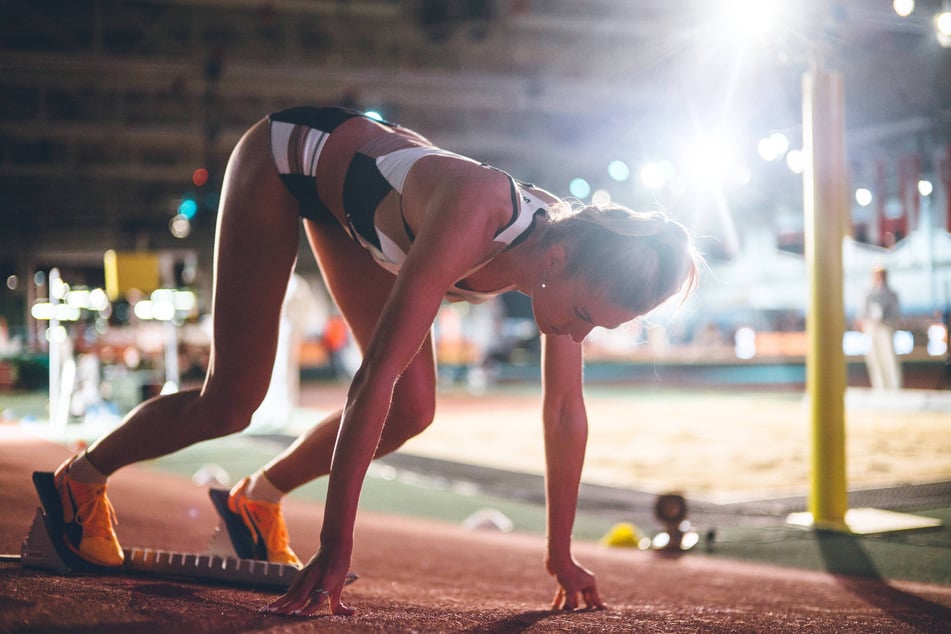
(44,549)
(209,567)
(41,551)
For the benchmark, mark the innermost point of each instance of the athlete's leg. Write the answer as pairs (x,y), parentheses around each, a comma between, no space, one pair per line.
(360,288)
(255,250)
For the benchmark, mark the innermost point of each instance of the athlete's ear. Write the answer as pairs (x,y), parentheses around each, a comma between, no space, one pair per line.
(555,259)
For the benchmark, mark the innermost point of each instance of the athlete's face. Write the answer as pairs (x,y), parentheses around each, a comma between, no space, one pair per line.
(572,306)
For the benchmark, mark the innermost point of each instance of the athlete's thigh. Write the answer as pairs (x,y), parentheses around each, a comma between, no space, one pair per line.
(359,287)
(255,250)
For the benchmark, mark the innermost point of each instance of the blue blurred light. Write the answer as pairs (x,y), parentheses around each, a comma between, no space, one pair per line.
(188,208)
(373,114)
(619,171)
(579,188)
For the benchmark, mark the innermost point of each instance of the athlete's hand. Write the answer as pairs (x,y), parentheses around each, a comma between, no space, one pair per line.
(574,581)
(319,583)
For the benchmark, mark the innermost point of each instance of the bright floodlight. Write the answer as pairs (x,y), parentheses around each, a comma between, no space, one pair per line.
(925,187)
(653,175)
(741,174)
(751,17)
(711,159)
(863,197)
(904,8)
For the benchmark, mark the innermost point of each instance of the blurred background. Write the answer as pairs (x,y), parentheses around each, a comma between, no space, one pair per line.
(119,115)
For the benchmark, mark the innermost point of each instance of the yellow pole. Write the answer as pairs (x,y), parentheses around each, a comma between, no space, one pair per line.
(826,198)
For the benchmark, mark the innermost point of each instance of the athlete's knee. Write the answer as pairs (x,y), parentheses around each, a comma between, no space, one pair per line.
(224,416)
(414,417)
(416,402)
(412,410)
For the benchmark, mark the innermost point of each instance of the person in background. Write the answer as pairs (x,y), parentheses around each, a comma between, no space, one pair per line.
(880,313)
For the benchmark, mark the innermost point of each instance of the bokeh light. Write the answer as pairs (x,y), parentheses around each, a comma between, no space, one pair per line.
(601,197)
(200,177)
(904,8)
(863,197)
(656,174)
(942,22)
(188,208)
(796,161)
(619,171)
(773,147)
(180,226)
(579,188)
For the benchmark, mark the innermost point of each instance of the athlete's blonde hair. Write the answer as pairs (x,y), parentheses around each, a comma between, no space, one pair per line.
(641,259)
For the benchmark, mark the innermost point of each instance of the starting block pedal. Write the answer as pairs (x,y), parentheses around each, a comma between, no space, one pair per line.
(240,541)
(45,549)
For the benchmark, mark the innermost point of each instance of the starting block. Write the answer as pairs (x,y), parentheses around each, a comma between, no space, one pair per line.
(44,549)
(233,539)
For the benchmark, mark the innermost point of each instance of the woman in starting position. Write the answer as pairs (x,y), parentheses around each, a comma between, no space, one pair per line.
(397,225)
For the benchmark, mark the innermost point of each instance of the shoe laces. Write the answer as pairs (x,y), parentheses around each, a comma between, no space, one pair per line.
(94,510)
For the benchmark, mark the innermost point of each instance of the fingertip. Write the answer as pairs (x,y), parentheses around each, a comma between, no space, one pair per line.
(338,607)
(270,608)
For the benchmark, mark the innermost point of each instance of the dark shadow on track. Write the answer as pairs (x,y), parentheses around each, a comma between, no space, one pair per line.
(514,623)
(855,571)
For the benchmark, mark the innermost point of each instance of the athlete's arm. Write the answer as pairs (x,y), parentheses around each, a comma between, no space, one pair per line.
(566,436)
(447,245)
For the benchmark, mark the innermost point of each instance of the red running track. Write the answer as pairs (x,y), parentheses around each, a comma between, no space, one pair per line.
(423,576)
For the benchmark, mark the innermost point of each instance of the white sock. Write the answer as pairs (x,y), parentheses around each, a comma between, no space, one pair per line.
(263,490)
(83,471)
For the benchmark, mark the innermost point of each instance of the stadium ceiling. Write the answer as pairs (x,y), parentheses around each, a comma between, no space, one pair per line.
(109,105)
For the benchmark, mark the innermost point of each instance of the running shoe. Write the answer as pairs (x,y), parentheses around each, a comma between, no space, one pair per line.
(265,521)
(88,520)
